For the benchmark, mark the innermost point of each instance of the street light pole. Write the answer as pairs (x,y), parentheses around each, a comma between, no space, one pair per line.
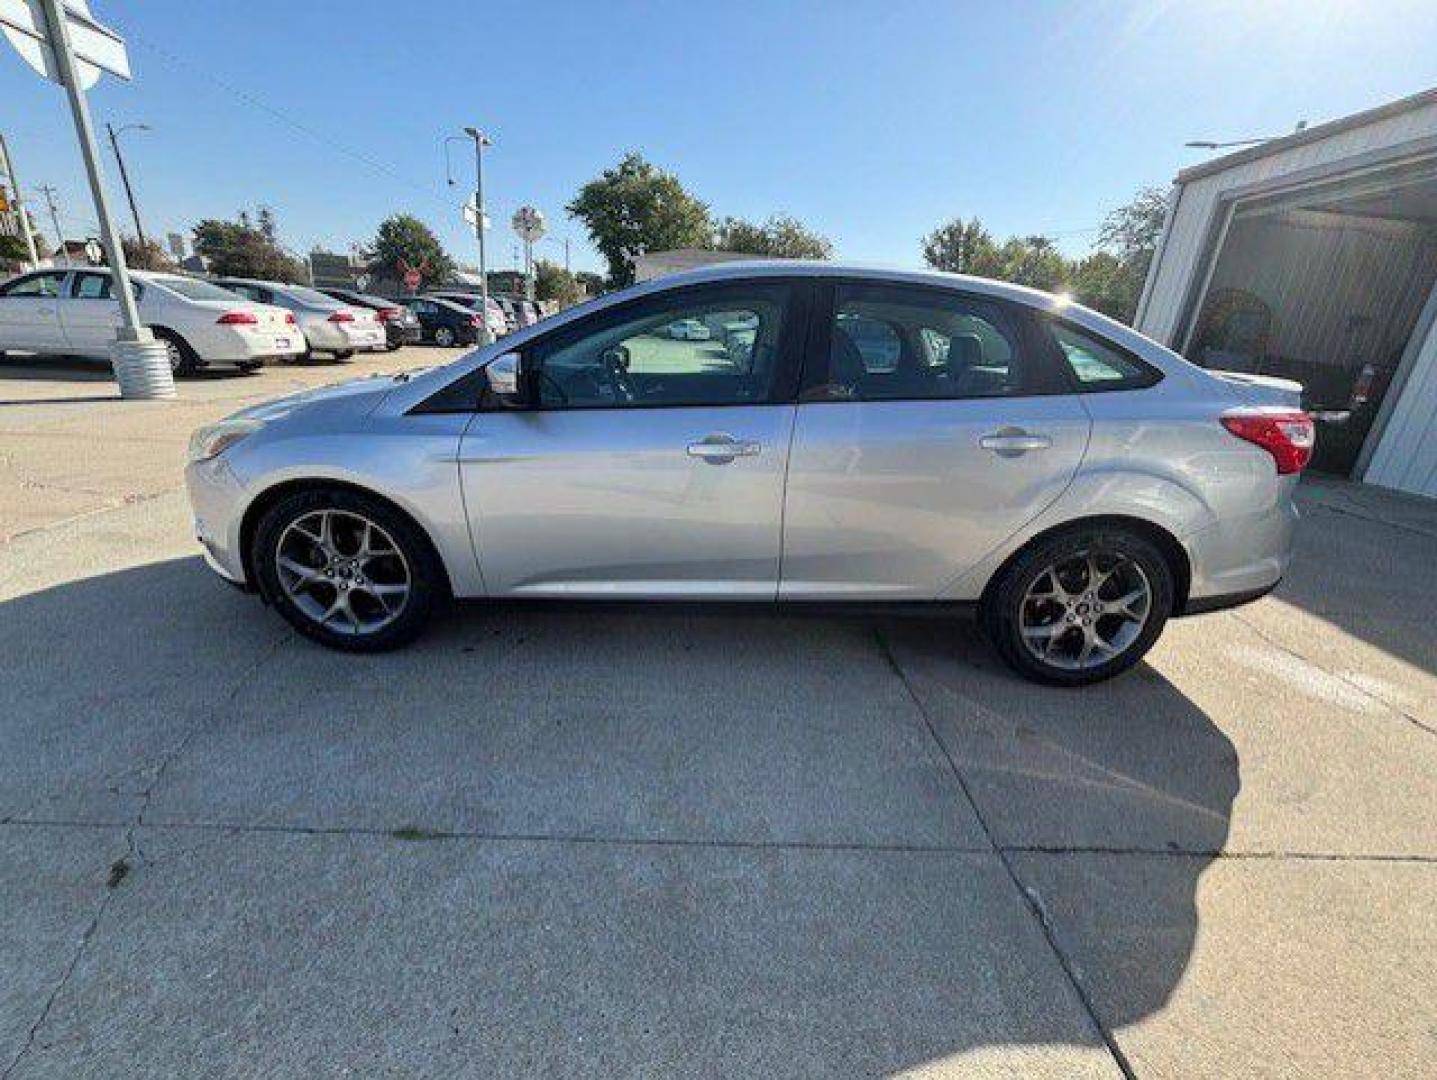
(125,179)
(19,202)
(481,141)
(141,364)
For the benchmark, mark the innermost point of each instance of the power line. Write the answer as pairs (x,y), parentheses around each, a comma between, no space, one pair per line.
(295,124)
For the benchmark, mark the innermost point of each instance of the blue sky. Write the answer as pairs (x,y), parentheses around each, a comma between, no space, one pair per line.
(871,120)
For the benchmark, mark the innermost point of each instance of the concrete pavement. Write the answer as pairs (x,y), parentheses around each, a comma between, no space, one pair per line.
(706,843)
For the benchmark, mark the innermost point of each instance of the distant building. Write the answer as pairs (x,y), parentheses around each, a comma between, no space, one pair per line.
(328,269)
(653,264)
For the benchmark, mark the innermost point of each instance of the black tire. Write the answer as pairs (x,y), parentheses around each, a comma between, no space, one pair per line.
(425,573)
(444,337)
(344,354)
(183,359)
(391,346)
(1003,605)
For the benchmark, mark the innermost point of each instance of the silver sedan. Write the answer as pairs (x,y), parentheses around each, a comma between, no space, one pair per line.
(880,438)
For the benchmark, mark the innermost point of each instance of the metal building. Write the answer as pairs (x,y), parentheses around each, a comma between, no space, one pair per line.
(1314,257)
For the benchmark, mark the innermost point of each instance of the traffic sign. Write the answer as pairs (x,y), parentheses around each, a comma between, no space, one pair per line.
(529,224)
(96,47)
(471,214)
(412,278)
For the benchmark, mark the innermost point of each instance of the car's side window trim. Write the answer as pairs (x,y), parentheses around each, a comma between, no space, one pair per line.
(1047,375)
(37,275)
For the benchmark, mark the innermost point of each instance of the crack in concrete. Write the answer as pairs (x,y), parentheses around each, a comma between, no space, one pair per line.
(134,855)
(1030,898)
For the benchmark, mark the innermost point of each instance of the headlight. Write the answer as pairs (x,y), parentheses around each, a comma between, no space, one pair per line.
(214,439)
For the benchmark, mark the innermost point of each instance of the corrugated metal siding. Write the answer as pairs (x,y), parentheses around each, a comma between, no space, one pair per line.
(1296,262)
(1197,211)
(1406,457)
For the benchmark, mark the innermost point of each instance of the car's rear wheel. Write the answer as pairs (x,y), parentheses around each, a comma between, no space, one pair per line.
(444,337)
(1081,606)
(183,359)
(344,354)
(347,570)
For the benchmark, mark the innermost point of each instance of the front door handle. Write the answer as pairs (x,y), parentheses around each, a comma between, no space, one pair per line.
(721,449)
(1011,441)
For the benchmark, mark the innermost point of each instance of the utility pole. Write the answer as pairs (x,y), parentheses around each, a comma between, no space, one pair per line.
(125,179)
(20,210)
(49,193)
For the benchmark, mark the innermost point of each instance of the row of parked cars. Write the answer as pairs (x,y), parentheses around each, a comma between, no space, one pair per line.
(237,321)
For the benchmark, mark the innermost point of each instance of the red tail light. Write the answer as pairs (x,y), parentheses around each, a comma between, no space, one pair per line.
(289,318)
(1287,434)
(388,314)
(238,318)
(341,316)
(475,320)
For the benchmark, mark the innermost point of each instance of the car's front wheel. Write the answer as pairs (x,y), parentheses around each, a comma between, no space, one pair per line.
(1081,606)
(347,570)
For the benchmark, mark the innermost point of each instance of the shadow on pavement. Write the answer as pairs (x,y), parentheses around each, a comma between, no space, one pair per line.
(573,953)
(1359,566)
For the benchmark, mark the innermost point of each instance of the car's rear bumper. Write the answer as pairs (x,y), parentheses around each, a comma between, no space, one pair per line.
(1242,555)
(241,345)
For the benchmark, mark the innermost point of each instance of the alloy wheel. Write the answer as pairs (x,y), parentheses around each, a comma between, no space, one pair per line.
(343,571)
(1085,609)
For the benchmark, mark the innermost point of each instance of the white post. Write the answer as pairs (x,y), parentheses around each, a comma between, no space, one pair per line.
(19,203)
(141,364)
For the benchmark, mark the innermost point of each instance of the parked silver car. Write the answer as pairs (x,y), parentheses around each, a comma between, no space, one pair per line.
(880,437)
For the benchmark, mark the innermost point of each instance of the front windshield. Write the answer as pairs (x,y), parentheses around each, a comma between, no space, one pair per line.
(195,289)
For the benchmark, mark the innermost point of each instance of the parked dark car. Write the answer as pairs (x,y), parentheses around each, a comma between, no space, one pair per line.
(401,326)
(444,322)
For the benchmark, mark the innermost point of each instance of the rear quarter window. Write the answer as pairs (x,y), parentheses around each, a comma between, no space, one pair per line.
(1095,365)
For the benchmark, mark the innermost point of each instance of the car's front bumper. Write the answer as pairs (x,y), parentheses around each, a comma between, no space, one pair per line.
(218,499)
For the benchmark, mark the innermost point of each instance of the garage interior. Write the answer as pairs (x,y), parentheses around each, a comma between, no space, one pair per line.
(1325,285)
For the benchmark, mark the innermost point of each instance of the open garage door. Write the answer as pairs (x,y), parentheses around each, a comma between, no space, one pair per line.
(1324,286)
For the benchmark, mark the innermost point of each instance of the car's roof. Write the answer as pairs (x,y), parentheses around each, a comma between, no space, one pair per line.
(747,269)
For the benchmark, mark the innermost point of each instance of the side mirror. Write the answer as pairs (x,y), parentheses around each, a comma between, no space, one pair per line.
(505,375)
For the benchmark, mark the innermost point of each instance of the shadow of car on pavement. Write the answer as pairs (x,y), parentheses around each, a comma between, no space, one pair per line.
(885,964)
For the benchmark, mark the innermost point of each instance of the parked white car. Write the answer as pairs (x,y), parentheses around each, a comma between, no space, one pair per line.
(74,312)
(327,324)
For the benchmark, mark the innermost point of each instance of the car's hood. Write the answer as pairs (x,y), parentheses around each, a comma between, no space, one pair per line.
(362,394)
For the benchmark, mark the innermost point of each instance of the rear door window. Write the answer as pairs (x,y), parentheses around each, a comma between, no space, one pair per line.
(44,286)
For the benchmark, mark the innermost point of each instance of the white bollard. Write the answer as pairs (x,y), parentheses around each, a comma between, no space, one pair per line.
(142,368)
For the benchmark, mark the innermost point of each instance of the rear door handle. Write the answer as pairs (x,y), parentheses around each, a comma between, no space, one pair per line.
(1009,442)
(721,449)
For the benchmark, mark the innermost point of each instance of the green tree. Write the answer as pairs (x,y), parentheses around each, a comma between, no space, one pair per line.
(1034,261)
(637,207)
(1105,283)
(150,257)
(1131,231)
(963,247)
(553,282)
(403,241)
(248,247)
(780,237)
(13,249)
